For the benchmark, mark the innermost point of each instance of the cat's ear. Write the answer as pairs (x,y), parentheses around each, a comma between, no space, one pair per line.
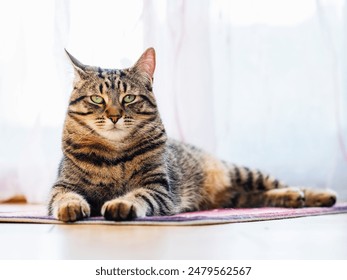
(146,64)
(80,69)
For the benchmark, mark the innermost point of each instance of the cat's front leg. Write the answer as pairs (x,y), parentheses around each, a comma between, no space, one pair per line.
(68,206)
(138,203)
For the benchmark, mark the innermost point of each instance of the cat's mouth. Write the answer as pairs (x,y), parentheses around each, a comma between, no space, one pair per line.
(119,125)
(114,127)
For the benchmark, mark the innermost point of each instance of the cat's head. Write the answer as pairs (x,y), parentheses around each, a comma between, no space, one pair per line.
(112,103)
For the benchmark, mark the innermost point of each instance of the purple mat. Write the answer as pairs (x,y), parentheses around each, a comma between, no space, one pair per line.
(217,216)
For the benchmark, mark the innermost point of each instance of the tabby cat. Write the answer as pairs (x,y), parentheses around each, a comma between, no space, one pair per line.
(119,163)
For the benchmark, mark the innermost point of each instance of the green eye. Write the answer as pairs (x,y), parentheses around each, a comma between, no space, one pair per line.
(97,99)
(129,98)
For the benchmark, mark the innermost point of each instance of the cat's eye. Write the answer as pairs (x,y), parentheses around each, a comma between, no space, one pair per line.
(97,99)
(129,98)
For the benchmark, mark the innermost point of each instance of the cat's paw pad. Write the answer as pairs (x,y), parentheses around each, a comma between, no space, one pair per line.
(120,210)
(293,198)
(72,211)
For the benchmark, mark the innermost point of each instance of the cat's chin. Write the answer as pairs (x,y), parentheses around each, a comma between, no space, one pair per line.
(113,134)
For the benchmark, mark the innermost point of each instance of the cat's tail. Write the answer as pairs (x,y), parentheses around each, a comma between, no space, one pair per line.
(252,180)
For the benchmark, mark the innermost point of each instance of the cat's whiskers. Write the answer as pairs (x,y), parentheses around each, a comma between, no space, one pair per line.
(128,122)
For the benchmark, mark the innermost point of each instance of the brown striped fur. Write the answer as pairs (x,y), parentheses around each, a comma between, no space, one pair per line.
(119,163)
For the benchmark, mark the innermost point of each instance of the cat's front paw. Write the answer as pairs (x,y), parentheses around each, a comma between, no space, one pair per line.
(72,211)
(121,210)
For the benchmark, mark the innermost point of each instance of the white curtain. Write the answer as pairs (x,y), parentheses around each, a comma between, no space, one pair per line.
(259,83)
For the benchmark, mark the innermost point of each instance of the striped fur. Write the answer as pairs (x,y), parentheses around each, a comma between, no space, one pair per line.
(119,163)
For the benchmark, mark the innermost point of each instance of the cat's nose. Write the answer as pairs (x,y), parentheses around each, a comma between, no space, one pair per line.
(114,118)
(114,114)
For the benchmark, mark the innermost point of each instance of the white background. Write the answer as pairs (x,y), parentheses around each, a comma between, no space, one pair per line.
(258,83)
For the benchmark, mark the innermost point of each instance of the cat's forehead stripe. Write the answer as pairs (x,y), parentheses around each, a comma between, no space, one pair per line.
(107,73)
(115,83)
(100,73)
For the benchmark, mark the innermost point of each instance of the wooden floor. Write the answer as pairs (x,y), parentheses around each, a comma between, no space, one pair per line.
(322,237)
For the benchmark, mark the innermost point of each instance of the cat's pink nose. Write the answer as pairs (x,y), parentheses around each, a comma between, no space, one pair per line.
(114,113)
(114,119)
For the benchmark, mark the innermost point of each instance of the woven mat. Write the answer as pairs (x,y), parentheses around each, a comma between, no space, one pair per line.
(37,215)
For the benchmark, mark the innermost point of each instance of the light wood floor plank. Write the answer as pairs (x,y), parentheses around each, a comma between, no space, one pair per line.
(322,237)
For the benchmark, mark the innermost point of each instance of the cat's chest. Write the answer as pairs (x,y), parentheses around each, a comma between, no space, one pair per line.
(109,177)
(108,180)
(106,183)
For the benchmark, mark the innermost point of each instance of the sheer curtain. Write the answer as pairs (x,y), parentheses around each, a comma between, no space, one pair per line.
(259,83)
